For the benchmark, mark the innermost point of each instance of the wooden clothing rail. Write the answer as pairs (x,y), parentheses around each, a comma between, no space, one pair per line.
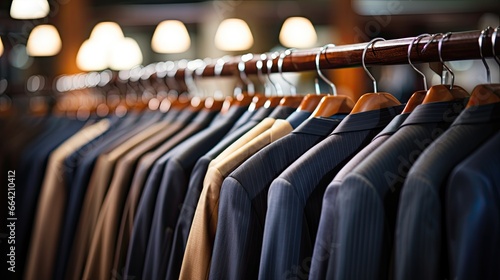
(457,46)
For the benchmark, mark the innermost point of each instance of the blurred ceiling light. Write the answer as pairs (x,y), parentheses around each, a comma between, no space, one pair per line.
(298,32)
(125,55)
(106,32)
(44,40)
(233,35)
(29,9)
(171,36)
(1,46)
(92,56)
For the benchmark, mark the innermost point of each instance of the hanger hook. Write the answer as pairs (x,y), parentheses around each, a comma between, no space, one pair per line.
(243,74)
(372,42)
(332,85)
(259,64)
(493,44)
(440,48)
(409,56)
(269,65)
(293,89)
(480,42)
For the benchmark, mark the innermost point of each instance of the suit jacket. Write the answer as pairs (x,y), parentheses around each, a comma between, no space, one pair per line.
(94,197)
(368,196)
(101,252)
(243,200)
(196,184)
(294,199)
(325,241)
(173,189)
(197,257)
(420,232)
(33,166)
(143,162)
(152,165)
(473,214)
(145,207)
(83,161)
(50,209)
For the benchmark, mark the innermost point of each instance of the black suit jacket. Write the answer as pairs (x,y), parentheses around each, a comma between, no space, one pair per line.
(420,246)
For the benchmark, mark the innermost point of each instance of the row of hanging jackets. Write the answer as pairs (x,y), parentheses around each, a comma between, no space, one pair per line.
(271,193)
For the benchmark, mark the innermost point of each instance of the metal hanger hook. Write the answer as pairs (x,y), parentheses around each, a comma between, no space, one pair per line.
(493,44)
(269,64)
(480,42)
(372,42)
(318,69)
(409,56)
(440,48)
(259,64)
(293,89)
(243,74)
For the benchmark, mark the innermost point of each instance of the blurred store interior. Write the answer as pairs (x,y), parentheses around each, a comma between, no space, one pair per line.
(178,30)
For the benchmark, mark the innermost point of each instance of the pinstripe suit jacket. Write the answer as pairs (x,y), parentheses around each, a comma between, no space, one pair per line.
(368,196)
(473,214)
(173,187)
(243,200)
(325,241)
(294,199)
(420,232)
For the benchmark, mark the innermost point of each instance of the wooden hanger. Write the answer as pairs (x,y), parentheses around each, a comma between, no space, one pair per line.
(442,93)
(310,102)
(486,93)
(331,105)
(375,100)
(213,104)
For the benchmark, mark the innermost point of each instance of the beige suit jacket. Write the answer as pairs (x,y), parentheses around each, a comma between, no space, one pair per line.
(94,197)
(51,204)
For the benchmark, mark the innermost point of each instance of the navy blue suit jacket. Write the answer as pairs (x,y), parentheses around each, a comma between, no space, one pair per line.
(420,232)
(243,200)
(145,209)
(295,197)
(368,197)
(473,214)
(186,215)
(325,242)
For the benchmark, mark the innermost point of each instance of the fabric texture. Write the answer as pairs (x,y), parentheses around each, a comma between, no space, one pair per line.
(243,200)
(473,214)
(294,199)
(420,231)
